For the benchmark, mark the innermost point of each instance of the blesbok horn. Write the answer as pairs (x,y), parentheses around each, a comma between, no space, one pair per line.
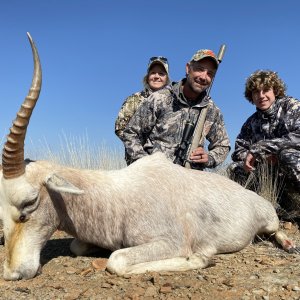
(13,150)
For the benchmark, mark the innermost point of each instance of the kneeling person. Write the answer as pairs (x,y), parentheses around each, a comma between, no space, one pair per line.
(271,134)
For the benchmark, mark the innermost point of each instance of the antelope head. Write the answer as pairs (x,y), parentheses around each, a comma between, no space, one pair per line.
(28,213)
(19,196)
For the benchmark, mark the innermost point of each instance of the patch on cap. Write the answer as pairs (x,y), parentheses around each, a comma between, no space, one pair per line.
(203,53)
(158,60)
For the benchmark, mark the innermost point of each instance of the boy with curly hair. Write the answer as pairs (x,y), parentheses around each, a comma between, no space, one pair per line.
(271,134)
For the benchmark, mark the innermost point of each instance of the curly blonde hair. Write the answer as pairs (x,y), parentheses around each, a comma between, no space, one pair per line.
(264,79)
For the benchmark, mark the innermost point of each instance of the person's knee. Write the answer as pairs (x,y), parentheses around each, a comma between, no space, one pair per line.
(289,156)
(290,164)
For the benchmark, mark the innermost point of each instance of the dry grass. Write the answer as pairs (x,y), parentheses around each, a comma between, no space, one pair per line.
(79,152)
(267,182)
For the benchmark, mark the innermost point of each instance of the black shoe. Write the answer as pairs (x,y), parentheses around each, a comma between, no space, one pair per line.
(289,204)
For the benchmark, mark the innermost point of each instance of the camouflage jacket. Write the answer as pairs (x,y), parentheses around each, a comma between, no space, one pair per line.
(266,132)
(161,120)
(128,109)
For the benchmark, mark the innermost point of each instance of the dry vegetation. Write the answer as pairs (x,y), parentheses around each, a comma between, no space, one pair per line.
(79,152)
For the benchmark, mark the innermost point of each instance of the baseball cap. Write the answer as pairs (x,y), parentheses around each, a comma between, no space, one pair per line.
(158,60)
(203,53)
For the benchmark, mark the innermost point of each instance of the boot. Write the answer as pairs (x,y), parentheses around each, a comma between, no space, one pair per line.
(290,202)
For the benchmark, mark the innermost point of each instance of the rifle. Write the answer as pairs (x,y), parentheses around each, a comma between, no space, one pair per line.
(192,132)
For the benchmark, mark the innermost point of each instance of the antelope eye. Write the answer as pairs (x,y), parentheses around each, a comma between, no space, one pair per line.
(22,218)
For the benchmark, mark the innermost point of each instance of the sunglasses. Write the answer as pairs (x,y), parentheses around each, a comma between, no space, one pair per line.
(161,58)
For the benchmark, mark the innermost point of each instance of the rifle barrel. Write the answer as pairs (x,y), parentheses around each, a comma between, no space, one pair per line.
(221,53)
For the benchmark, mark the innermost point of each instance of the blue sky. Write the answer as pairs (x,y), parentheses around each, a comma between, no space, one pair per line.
(94,54)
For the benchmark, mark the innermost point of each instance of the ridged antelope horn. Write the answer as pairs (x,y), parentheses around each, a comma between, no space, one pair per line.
(13,151)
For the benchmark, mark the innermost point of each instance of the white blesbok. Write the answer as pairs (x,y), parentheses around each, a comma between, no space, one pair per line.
(154,215)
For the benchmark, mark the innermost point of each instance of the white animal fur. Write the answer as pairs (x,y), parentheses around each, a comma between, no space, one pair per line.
(154,215)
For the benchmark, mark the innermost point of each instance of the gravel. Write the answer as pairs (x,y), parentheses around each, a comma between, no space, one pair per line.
(260,271)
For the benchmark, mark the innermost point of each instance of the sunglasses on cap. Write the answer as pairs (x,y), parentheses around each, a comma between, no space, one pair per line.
(161,58)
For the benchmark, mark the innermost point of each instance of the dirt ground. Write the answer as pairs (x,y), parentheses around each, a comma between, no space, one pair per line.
(261,271)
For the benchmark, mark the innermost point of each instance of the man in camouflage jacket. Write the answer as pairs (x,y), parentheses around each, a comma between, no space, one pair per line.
(162,117)
(272,133)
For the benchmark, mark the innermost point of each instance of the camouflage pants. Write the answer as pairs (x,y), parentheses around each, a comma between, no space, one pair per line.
(282,179)
(288,165)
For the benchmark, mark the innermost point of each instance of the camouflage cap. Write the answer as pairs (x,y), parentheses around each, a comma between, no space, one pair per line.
(158,60)
(203,53)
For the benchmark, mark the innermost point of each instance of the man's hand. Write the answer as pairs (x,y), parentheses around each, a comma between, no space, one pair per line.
(198,155)
(249,162)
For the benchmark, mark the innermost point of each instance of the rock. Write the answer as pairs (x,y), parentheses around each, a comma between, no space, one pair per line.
(287,225)
(71,271)
(166,288)
(86,271)
(73,295)
(134,293)
(150,292)
(99,264)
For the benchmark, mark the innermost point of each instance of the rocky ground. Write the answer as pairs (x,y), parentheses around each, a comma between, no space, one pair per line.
(261,271)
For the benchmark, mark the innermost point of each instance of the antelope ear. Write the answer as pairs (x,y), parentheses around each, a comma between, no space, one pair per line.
(59,184)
